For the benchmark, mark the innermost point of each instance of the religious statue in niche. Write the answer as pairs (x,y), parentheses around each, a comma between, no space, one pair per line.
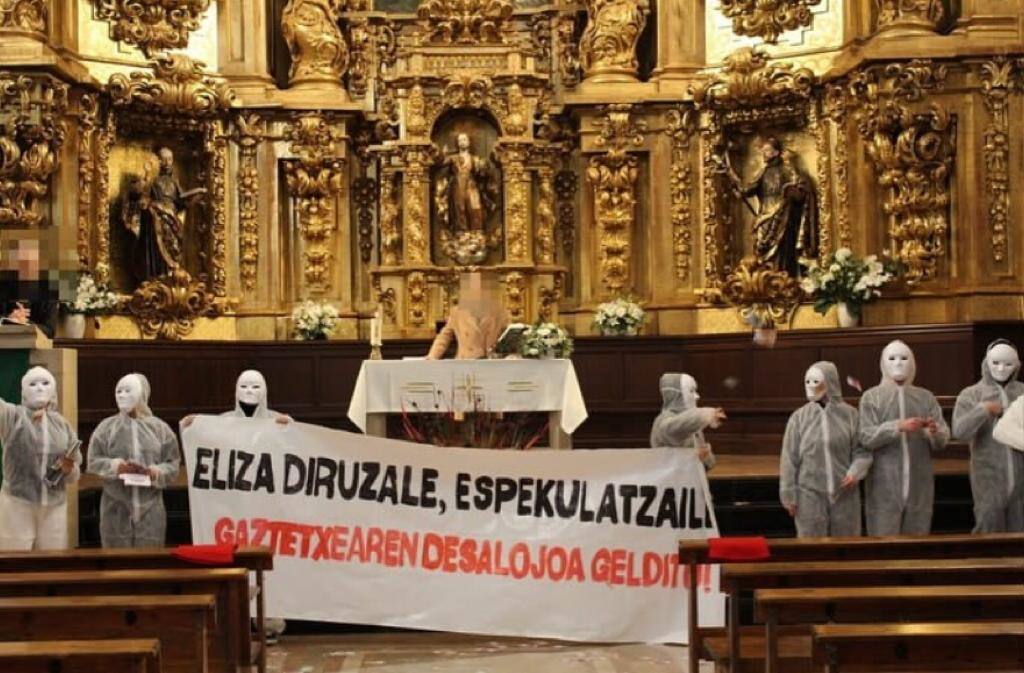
(785,216)
(153,212)
(465,198)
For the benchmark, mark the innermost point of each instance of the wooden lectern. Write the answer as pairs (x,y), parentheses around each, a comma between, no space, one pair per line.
(22,347)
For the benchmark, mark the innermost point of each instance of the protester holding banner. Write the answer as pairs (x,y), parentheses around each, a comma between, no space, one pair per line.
(251,402)
(137,455)
(822,461)
(40,457)
(681,422)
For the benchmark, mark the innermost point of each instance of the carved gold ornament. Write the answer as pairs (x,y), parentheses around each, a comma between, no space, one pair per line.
(415,240)
(549,298)
(32,132)
(681,125)
(567,50)
(544,242)
(565,189)
(177,86)
(913,157)
(152,25)
(835,110)
(997,81)
(416,298)
(364,196)
(767,19)
(464,21)
(251,128)
(910,15)
(515,296)
(763,295)
(88,111)
(390,223)
(608,45)
(613,175)
(748,80)
(27,15)
(314,179)
(318,49)
(167,307)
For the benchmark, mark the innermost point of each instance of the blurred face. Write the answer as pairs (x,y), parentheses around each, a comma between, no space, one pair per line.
(27,258)
(896,359)
(1003,361)
(38,390)
(250,389)
(463,141)
(128,393)
(814,384)
(688,385)
(166,158)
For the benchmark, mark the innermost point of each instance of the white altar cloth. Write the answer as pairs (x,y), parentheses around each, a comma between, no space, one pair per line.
(391,386)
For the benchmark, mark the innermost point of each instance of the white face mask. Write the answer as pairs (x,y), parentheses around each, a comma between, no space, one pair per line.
(688,385)
(897,359)
(249,389)
(814,384)
(128,393)
(38,391)
(1002,361)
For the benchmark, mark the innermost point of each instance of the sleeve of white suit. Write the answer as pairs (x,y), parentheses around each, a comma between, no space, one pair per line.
(789,462)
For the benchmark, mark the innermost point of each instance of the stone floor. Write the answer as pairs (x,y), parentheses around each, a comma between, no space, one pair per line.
(411,652)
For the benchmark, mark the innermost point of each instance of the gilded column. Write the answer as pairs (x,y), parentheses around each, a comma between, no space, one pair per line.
(681,46)
(545,226)
(517,205)
(242,46)
(318,49)
(416,192)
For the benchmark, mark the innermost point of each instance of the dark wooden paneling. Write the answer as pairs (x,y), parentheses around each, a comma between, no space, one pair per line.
(759,388)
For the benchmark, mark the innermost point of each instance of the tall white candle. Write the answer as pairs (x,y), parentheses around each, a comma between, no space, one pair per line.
(375,328)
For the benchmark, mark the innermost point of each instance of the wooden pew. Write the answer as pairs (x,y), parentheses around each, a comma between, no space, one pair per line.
(695,552)
(232,644)
(81,656)
(776,607)
(258,560)
(951,646)
(740,577)
(182,624)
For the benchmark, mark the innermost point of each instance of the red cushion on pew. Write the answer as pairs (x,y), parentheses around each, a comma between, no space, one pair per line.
(738,548)
(205,554)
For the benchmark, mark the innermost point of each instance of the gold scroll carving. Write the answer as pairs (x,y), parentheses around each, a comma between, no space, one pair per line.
(681,125)
(87,118)
(169,306)
(390,222)
(28,15)
(515,296)
(32,131)
(764,295)
(910,16)
(545,227)
(608,45)
(997,81)
(152,25)
(251,128)
(416,298)
(176,86)
(767,19)
(318,49)
(464,21)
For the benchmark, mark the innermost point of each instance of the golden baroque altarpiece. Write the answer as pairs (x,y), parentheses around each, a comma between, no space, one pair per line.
(365,152)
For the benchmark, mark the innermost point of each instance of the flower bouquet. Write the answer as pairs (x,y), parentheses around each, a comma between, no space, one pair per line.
(91,298)
(546,340)
(847,282)
(619,317)
(314,320)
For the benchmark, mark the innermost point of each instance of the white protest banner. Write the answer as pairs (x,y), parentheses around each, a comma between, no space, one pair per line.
(578,545)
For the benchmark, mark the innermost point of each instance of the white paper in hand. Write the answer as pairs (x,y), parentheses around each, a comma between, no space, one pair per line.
(137,480)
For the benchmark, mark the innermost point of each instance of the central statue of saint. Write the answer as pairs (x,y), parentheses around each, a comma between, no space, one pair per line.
(467,185)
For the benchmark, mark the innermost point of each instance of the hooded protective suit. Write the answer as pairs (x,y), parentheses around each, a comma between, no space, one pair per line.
(33,515)
(251,402)
(681,422)
(900,488)
(134,516)
(819,449)
(251,397)
(997,471)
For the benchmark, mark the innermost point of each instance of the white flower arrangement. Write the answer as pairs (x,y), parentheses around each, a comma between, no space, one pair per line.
(546,340)
(314,320)
(847,279)
(620,316)
(91,297)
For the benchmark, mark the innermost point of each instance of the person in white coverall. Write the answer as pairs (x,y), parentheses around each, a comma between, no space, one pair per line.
(901,424)
(681,422)
(251,402)
(997,471)
(37,440)
(822,461)
(133,442)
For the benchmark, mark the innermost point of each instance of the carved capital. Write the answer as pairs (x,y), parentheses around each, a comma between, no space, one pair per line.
(31,16)
(176,86)
(749,80)
(909,17)
(464,21)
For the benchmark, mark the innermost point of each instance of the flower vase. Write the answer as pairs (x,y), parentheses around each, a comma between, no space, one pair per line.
(74,325)
(615,332)
(847,316)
